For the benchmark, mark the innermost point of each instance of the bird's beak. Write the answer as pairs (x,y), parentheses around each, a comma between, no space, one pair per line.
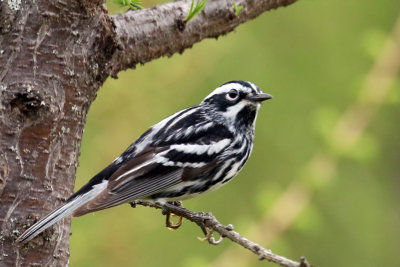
(259,97)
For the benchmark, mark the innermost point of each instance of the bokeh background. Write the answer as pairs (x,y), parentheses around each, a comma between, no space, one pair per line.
(323,179)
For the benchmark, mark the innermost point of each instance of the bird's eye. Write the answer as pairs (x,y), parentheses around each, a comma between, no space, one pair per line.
(233,94)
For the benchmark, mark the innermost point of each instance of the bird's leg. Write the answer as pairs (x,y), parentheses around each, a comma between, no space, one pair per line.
(209,236)
(170,225)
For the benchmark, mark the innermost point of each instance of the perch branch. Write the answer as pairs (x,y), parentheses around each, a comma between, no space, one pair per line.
(144,35)
(209,224)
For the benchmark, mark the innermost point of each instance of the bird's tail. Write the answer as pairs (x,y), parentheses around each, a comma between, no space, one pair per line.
(60,213)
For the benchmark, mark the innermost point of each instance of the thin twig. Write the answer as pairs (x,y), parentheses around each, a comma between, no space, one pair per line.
(209,224)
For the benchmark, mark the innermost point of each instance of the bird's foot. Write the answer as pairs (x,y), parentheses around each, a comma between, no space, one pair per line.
(171,225)
(209,236)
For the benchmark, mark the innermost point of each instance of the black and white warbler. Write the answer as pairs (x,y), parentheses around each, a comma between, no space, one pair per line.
(191,152)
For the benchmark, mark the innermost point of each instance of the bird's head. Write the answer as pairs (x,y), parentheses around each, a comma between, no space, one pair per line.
(237,102)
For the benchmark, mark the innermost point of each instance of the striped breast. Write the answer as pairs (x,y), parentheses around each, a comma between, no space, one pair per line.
(231,161)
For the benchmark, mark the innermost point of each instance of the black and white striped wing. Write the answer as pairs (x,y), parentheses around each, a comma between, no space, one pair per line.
(156,169)
(179,149)
(135,179)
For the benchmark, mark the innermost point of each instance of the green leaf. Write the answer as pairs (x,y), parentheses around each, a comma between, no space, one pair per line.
(237,9)
(195,9)
(133,4)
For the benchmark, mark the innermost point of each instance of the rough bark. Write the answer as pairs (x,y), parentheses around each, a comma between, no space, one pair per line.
(54,56)
(161,31)
(51,61)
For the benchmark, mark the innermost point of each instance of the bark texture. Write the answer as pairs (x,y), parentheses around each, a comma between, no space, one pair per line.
(54,56)
(51,70)
(161,30)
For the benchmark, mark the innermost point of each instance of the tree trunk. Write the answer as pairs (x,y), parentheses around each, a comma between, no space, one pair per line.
(54,56)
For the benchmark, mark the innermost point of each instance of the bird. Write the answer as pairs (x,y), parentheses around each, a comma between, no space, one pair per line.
(193,151)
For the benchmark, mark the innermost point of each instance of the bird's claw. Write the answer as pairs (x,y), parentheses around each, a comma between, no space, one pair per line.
(209,236)
(170,225)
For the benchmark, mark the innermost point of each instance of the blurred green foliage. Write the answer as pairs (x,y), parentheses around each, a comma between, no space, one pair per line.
(314,58)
